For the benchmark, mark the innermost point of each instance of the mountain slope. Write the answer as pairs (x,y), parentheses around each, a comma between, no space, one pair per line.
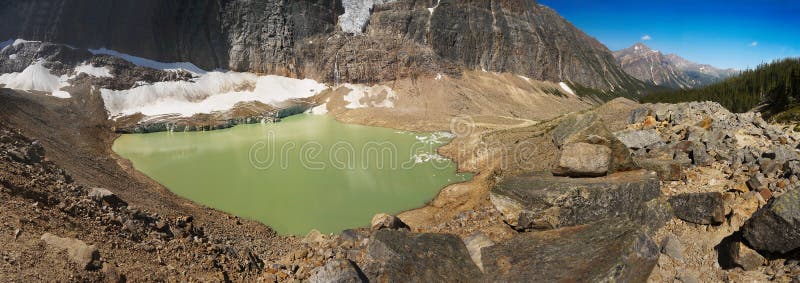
(330,40)
(776,84)
(668,70)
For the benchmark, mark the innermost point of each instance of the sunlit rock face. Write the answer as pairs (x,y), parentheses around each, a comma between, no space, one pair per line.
(329,40)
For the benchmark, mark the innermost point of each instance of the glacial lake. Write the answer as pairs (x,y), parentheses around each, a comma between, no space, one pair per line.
(305,172)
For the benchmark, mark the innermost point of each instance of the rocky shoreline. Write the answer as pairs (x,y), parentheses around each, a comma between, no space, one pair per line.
(683,172)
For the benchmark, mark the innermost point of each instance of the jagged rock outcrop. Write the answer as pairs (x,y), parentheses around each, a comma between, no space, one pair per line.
(545,202)
(776,227)
(606,251)
(323,39)
(398,256)
(669,70)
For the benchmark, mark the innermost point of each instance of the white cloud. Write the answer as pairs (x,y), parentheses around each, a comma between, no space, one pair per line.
(646,37)
(754,44)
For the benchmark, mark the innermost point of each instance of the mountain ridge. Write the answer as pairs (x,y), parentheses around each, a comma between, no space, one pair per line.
(399,39)
(668,70)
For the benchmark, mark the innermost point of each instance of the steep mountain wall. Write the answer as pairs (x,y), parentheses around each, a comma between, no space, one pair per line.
(330,40)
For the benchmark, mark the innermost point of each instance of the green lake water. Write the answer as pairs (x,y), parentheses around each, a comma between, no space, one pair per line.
(306,172)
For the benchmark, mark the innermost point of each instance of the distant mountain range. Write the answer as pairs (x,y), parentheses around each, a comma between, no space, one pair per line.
(669,70)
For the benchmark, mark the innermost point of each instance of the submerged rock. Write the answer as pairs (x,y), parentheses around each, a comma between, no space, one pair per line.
(546,202)
(400,256)
(614,250)
(776,226)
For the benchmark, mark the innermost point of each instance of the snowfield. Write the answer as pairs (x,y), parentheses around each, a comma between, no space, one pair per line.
(213,91)
(36,77)
(87,68)
(566,88)
(361,96)
(139,61)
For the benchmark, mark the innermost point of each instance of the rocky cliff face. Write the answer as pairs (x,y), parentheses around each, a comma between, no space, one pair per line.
(668,70)
(332,40)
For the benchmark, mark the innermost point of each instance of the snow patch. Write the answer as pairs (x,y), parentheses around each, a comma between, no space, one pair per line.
(566,88)
(38,78)
(438,77)
(22,41)
(357,14)
(361,96)
(143,62)
(61,94)
(527,79)
(12,56)
(321,109)
(211,92)
(87,68)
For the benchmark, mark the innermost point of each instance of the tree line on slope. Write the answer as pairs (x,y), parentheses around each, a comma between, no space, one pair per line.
(776,86)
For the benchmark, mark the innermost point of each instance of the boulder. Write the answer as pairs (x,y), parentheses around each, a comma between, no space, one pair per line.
(402,256)
(613,250)
(313,237)
(83,255)
(336,271)
(637,139)
(733,253)
(107,197)
(781,153)
(699,208)
(386,221)
(584,160)
(672,247)
(475,243)
(699,154)
(589,128)
(756,182)
(776,226)
(667,169)
(547,202)
(638,115)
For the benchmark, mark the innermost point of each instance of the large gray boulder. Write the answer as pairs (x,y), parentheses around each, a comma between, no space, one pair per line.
(547,202)
(401,256)
(613,250)
(589,128)
(336,271)
(776,226)
(637,139)
(584,160)
(475,243)
(699,208)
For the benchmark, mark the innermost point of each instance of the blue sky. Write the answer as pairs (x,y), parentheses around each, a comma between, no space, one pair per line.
(727,34)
